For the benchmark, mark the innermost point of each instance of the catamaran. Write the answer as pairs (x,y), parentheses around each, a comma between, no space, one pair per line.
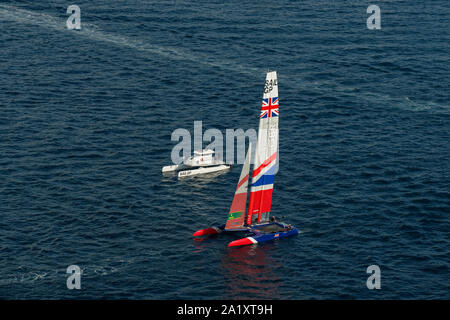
(201,162)
(256,221)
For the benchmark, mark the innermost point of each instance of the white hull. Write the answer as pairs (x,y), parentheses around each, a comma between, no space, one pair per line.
(202,170)
(182,166)
(172,168)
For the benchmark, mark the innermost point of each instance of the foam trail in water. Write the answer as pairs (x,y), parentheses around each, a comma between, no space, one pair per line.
(426,106)
(92,32)
(11,13)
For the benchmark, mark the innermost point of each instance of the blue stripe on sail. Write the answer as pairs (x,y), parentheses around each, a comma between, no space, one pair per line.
(267,178)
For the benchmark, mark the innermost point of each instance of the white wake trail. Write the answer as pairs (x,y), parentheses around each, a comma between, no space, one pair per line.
(92,32)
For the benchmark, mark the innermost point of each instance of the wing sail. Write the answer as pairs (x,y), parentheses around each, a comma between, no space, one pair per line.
(236,217)
(266,154)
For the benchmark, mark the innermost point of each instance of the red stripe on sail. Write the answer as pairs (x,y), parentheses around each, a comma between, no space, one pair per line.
(242,182)
(236,215)
(238,205)
(264,164)
(266,202)
(253,205)
(238,202)
(260,202)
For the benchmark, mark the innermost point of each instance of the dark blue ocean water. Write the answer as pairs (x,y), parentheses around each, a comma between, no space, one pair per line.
(85,125)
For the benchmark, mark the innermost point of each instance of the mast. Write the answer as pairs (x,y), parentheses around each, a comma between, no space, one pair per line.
(236,216)
(265,154)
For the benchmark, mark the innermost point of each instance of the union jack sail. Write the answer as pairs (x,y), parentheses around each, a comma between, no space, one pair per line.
(266,154)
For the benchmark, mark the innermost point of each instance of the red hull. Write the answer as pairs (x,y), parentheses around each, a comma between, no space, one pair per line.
(207,231)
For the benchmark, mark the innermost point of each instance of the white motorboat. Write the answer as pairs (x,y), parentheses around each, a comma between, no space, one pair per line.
(201,162)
